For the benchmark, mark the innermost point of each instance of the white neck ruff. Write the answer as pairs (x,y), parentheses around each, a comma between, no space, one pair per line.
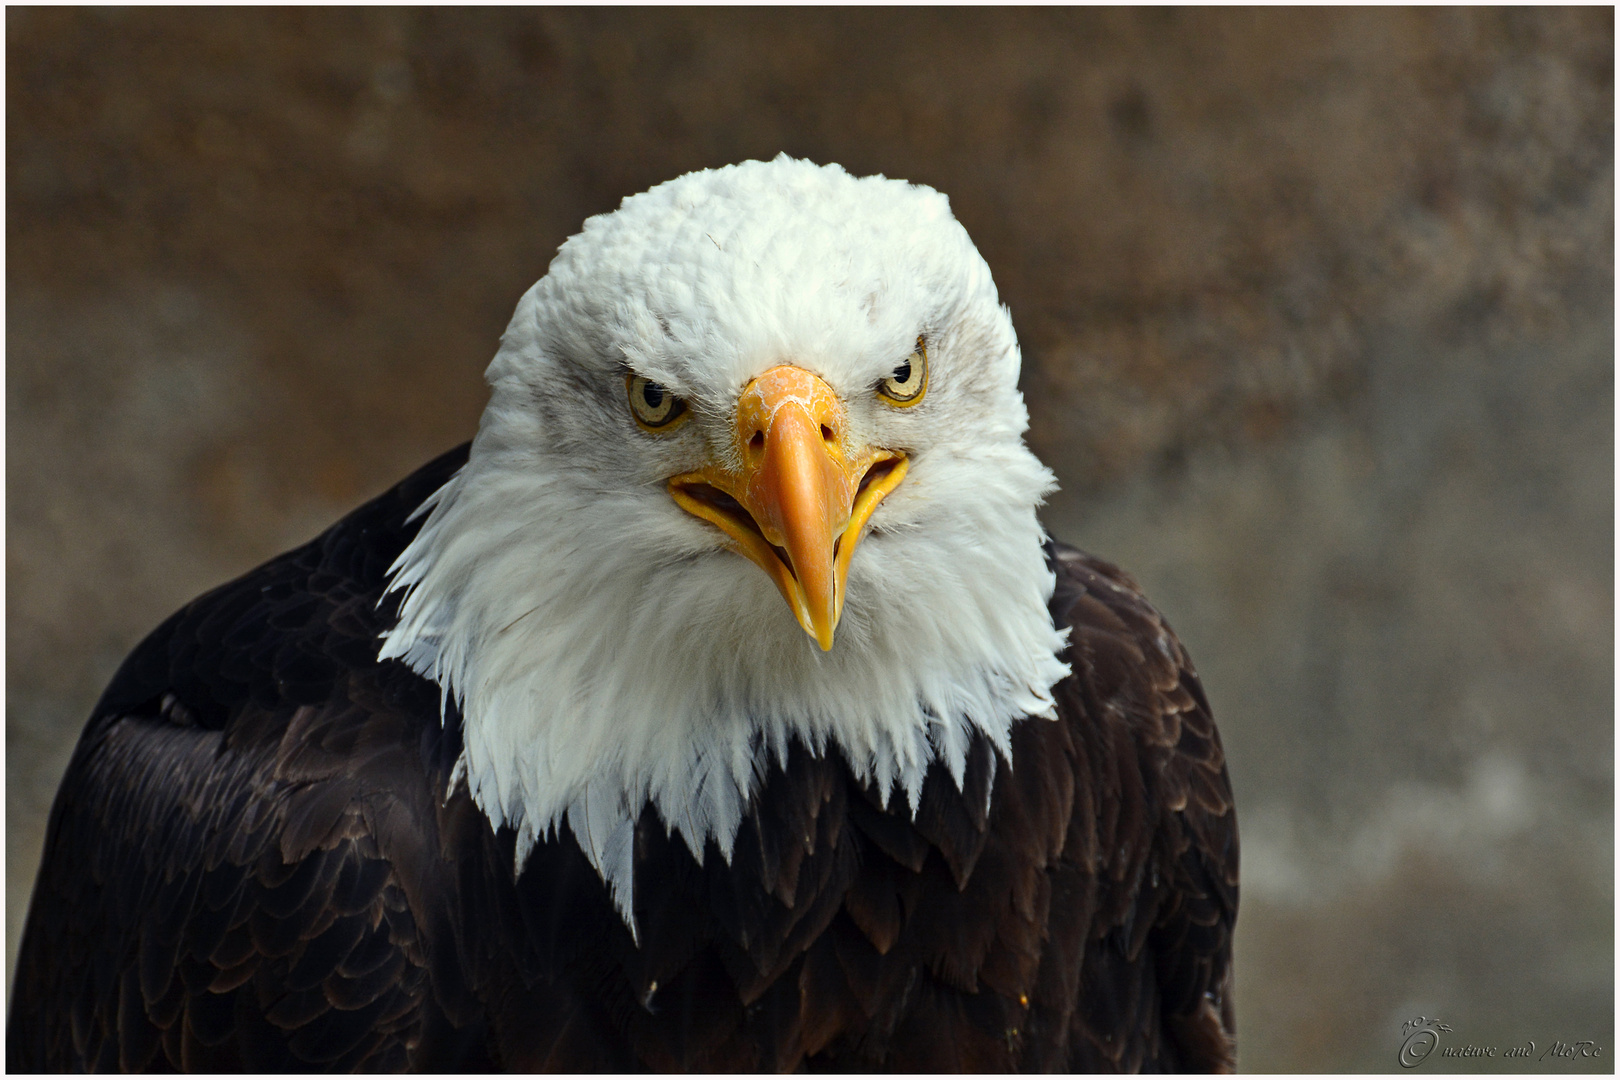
(592,682)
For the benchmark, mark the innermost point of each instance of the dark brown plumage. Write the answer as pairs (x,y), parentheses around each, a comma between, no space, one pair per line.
(253,864)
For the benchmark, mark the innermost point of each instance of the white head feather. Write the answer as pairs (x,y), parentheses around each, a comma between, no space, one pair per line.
(607,648)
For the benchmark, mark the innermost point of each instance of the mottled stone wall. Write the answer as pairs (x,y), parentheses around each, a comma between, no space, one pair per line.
(1318,320)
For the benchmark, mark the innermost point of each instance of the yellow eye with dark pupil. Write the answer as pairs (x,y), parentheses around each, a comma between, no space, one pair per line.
(906,386)
(653,406)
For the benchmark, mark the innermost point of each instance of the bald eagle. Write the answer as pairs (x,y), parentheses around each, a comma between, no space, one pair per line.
(526,764)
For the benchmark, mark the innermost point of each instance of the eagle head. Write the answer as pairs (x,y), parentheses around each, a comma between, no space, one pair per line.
(752,470)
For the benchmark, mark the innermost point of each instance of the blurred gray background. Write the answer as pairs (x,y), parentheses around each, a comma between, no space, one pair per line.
(1318,319)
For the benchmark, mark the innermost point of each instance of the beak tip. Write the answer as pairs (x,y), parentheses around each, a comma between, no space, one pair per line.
(821,632)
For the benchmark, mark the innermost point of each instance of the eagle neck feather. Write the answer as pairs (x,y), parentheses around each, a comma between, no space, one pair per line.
(597,679)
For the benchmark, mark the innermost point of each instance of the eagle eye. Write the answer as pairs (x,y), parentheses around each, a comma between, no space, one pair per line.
(655,408)
(909,381)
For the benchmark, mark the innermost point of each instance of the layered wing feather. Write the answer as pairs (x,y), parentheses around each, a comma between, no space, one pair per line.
(241,870)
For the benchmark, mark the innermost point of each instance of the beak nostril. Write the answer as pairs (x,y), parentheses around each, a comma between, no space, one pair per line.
(828,434)
(757,442)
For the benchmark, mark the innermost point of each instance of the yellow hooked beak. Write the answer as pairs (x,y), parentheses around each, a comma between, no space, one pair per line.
(802,497)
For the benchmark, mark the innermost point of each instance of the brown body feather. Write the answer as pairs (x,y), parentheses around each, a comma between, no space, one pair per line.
(252,864)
